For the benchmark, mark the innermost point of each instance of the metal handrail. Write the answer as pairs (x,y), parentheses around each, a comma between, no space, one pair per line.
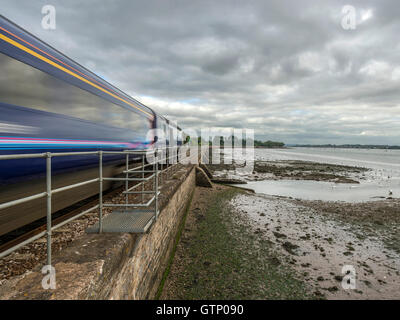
(49,191)
(76,185)
(129,179)
(22,200)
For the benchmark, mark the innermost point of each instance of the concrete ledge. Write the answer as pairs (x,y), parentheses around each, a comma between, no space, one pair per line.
(113,266)
(202,179)
(206,170)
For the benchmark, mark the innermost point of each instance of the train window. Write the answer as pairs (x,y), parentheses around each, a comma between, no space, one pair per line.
(23,85)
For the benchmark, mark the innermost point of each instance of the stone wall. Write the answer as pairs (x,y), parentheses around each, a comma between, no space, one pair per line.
(113,266)
(152,250)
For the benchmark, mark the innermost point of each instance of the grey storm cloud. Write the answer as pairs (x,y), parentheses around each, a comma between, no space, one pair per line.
(286,69)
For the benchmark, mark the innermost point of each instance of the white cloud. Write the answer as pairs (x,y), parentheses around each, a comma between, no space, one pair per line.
(366,14)
(376,68)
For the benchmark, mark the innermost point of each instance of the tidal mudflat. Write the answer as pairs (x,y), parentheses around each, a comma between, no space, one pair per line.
(321,216)
(318,243)
(236,244)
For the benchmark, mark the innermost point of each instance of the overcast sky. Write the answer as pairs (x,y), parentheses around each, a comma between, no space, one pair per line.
(287,69)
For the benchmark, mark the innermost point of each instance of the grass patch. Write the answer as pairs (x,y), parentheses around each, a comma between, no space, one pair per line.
(223,259)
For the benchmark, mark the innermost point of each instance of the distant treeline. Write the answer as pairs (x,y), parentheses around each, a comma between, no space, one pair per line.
(268,144)
(234,141)
(352,146)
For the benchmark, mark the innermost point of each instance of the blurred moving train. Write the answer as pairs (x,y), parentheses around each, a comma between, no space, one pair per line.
(50,103)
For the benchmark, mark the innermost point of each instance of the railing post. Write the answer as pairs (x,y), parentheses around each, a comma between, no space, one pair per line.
(100,191)
(161,166)
(156,186)
(48,190)
(143,182)
(127,176)
(167,166)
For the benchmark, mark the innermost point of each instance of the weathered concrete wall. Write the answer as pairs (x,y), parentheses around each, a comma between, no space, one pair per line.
(152,250)
(113,266)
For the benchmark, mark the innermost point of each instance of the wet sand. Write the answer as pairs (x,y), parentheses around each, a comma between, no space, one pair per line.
(317,246)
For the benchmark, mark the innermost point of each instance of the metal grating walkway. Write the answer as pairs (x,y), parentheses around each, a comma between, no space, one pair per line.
(129,221)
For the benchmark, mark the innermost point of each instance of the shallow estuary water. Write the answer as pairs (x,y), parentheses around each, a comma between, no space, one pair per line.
(326,191)
(387,160)
(375,184)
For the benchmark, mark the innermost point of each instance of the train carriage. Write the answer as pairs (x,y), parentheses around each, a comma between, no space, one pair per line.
(50,103)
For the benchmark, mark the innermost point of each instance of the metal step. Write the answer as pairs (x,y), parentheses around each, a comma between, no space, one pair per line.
(125,221)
